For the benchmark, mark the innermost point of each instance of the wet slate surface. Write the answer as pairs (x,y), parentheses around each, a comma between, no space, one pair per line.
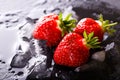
(33,59)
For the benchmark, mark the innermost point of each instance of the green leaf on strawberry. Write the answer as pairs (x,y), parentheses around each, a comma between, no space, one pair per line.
(91,41)
(107,26)
(67,24)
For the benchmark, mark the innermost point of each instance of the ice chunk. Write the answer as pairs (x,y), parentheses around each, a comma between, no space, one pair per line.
(39,70)
(36,13)
(21,60)
(38,47)
(26,31)
(109,46)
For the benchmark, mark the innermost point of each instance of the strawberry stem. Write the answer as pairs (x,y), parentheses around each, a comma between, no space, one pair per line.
(91,41)
(107,26)
(67,24)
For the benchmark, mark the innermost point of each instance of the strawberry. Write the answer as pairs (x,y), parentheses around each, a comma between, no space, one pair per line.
(73,50)
(52,28)
(99,27)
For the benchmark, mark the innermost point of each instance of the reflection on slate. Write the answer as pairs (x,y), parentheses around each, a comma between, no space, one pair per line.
(33,60)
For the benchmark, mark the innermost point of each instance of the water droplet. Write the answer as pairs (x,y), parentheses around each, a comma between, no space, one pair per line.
(20,73)
(12,72)
(40,2)
(1,22)
(25,39)
(7,14)
(52,10)
(30,20)
(15,20)
(7,20)
(59,1)
(10,69)
(3,62)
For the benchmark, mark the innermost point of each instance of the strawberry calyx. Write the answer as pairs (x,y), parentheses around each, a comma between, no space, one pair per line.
(91,41)
(107,25)
(67,24)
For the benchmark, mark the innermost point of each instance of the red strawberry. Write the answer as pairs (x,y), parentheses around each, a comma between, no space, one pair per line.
(99,27)
(73,50)
(52,28)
